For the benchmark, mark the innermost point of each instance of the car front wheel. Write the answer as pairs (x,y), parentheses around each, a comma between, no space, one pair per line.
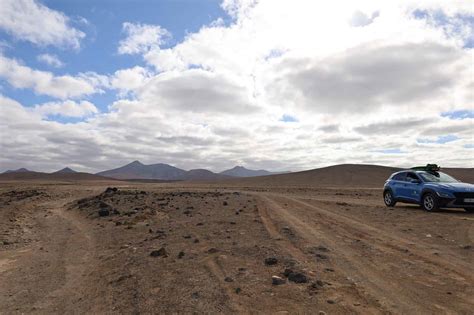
(430,202)
(388,199)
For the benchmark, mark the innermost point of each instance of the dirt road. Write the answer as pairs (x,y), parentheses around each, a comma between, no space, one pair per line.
(183,249)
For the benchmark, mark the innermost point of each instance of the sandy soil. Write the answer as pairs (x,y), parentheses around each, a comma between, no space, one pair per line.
(184,248)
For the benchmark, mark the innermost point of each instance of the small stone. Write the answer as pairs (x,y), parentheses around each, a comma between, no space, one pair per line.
(278,280)
(180,255)
(212,250)
(225,203)
(159,253)
(322,256)
(196,241)
(331,302)
(297,277)
(228,279)
(467,247)
(238,290)
(104,212)
(195,295)
(287,272)
(271,261)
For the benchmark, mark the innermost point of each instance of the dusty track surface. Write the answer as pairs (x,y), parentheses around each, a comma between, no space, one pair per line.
(160,248)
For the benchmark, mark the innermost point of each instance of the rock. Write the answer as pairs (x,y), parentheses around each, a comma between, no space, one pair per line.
(322,256)
(271,261)
(225,203)
(104,212)
(180,255)
(187,236)
(322,249)
(287,272)
(110,190)
(212,250)
(278,280)
(318,284)
(238,290)
(228,279)
(159,253)
(467,247)
(331,302)
(196,241)
(195,295)
(297,277)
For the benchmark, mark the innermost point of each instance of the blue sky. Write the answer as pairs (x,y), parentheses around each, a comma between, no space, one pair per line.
(98,51)
(279,85)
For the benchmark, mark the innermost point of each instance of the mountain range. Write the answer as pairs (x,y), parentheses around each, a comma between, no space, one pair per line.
(160,171)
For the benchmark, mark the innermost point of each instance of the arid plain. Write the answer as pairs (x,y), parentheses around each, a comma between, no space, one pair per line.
(293,243)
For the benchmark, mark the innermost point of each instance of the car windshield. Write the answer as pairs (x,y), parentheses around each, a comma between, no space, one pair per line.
(437,177)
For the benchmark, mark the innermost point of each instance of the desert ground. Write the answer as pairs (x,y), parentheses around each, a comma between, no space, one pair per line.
(129,247)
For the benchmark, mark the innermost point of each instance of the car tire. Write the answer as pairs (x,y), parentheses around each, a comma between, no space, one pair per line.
(388,199)
(469,210)
(430,202)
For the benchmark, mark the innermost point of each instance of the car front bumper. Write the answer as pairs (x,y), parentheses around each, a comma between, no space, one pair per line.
(455,203)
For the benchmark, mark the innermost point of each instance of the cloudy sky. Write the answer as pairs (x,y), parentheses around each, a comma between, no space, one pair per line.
(281,85)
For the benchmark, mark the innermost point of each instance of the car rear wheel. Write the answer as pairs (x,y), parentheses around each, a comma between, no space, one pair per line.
(430,202)
(388,199)
(469,210)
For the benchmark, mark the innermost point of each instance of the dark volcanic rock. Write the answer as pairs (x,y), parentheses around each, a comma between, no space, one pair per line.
(297,277)
(159,253)
(104,212)
(278,280)
(271,261)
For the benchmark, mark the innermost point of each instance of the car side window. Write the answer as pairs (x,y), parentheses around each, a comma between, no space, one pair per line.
(399,176)
(411,176)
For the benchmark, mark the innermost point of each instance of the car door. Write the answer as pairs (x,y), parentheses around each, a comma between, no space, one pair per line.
(398,184)
(412,188)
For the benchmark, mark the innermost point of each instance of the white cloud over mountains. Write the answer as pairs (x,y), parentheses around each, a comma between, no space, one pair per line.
(364,80)
(46,83)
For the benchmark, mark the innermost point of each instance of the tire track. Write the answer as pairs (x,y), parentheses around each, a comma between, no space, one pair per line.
(375,278)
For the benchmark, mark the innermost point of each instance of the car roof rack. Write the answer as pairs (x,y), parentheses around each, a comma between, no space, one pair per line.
(428,168)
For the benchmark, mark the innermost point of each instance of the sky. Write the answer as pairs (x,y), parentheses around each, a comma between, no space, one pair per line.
(273,84)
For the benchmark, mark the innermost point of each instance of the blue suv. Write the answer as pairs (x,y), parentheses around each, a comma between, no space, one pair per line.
(429,188)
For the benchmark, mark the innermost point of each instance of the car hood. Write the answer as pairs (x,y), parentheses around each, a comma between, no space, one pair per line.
(464,187)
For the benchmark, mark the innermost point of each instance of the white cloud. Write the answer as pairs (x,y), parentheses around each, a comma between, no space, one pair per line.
(130,79)
(141,38)
(66,109)
(361,91)
(46,83)
(32,21)
(51,60)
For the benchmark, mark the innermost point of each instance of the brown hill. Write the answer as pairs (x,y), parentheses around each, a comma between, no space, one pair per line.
(78,176)
(346,175)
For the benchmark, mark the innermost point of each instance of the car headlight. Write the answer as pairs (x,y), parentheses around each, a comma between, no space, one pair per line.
(445,194)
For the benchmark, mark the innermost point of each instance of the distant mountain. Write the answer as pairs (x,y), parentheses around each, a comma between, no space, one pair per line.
(160,171)
(240,171)
(65,170)
(56,176)
(138,170)
(202,174)
(20,170)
